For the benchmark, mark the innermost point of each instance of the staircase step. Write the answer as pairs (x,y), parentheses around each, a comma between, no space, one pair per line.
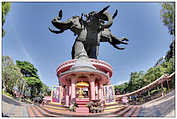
(82,110)
(58,108)
(135,114)
(56,105)
(114,111)
(130,112)
(112,107)
(112,104)
(43,112)
(30,111)
(121,113)
(84,99)
(82,105)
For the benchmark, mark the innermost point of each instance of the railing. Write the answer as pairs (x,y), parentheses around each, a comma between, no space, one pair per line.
(159,80)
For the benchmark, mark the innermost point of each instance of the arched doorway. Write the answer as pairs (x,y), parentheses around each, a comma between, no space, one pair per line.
(82,90)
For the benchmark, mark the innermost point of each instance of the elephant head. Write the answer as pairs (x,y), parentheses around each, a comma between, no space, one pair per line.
(102,16)
(64,25)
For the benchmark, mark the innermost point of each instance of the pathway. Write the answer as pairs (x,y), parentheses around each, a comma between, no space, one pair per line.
(161,107)
(13,108)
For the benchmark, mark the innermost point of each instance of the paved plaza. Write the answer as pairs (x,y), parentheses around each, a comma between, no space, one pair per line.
(13,108)
(160,107)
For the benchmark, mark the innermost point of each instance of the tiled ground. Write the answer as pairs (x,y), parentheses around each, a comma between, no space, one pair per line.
(161,107)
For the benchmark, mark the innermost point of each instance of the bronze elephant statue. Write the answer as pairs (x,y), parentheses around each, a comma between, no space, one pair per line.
(90,32)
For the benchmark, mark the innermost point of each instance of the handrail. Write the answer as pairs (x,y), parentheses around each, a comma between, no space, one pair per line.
(165,76)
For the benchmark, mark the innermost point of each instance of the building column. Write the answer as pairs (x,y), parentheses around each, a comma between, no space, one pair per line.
(100,92)
(69,94)
(67,97)
(73,89)
(96,91)
(92,87)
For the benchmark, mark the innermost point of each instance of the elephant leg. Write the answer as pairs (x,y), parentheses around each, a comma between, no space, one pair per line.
(97,51)
(78,50)
(73,51)
(93,51)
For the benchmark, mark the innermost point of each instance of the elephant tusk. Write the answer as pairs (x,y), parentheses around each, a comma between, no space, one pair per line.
(115,14)
(103,10)
(60,15)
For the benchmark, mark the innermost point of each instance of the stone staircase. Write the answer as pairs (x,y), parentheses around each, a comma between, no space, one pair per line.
(82,105)
(115,110)
(123,111)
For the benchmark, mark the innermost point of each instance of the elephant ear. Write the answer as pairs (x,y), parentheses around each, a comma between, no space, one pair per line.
(100,13)
(105,15)
(60,14)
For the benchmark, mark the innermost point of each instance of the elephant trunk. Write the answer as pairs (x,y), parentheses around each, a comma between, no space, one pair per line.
(61,25)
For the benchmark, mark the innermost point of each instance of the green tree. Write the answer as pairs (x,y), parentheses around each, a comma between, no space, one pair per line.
(168,16)
(121,88)
(171,52)
(154,73)
(27,69)
(169,66)
(45,90)
(5,10)
(11,75)
(31,77)
(136,81)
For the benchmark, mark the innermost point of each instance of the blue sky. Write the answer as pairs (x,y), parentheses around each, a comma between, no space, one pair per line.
(28,38)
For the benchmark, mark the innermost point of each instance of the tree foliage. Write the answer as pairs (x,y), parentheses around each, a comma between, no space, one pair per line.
(11,75)
(141,79)
(121,89)
(27,69)
(171,52)
(37,88)
(5,10)
(136,81)
(168,16)
(31,77)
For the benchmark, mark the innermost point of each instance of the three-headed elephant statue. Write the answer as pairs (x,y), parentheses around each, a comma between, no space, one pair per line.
(89,32)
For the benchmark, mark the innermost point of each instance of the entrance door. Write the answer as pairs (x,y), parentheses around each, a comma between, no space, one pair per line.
(82,92)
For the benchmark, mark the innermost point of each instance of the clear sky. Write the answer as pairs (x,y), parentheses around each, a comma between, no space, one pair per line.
(28,38)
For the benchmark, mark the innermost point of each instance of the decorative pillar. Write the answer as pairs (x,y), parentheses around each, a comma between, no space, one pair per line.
(73,89)
(69,94)
(109,82)
(100,92)
(92,87)
(70,90)
(67,97)
(96,91)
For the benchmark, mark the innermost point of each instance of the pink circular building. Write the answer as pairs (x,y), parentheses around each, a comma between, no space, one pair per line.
(83,80)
